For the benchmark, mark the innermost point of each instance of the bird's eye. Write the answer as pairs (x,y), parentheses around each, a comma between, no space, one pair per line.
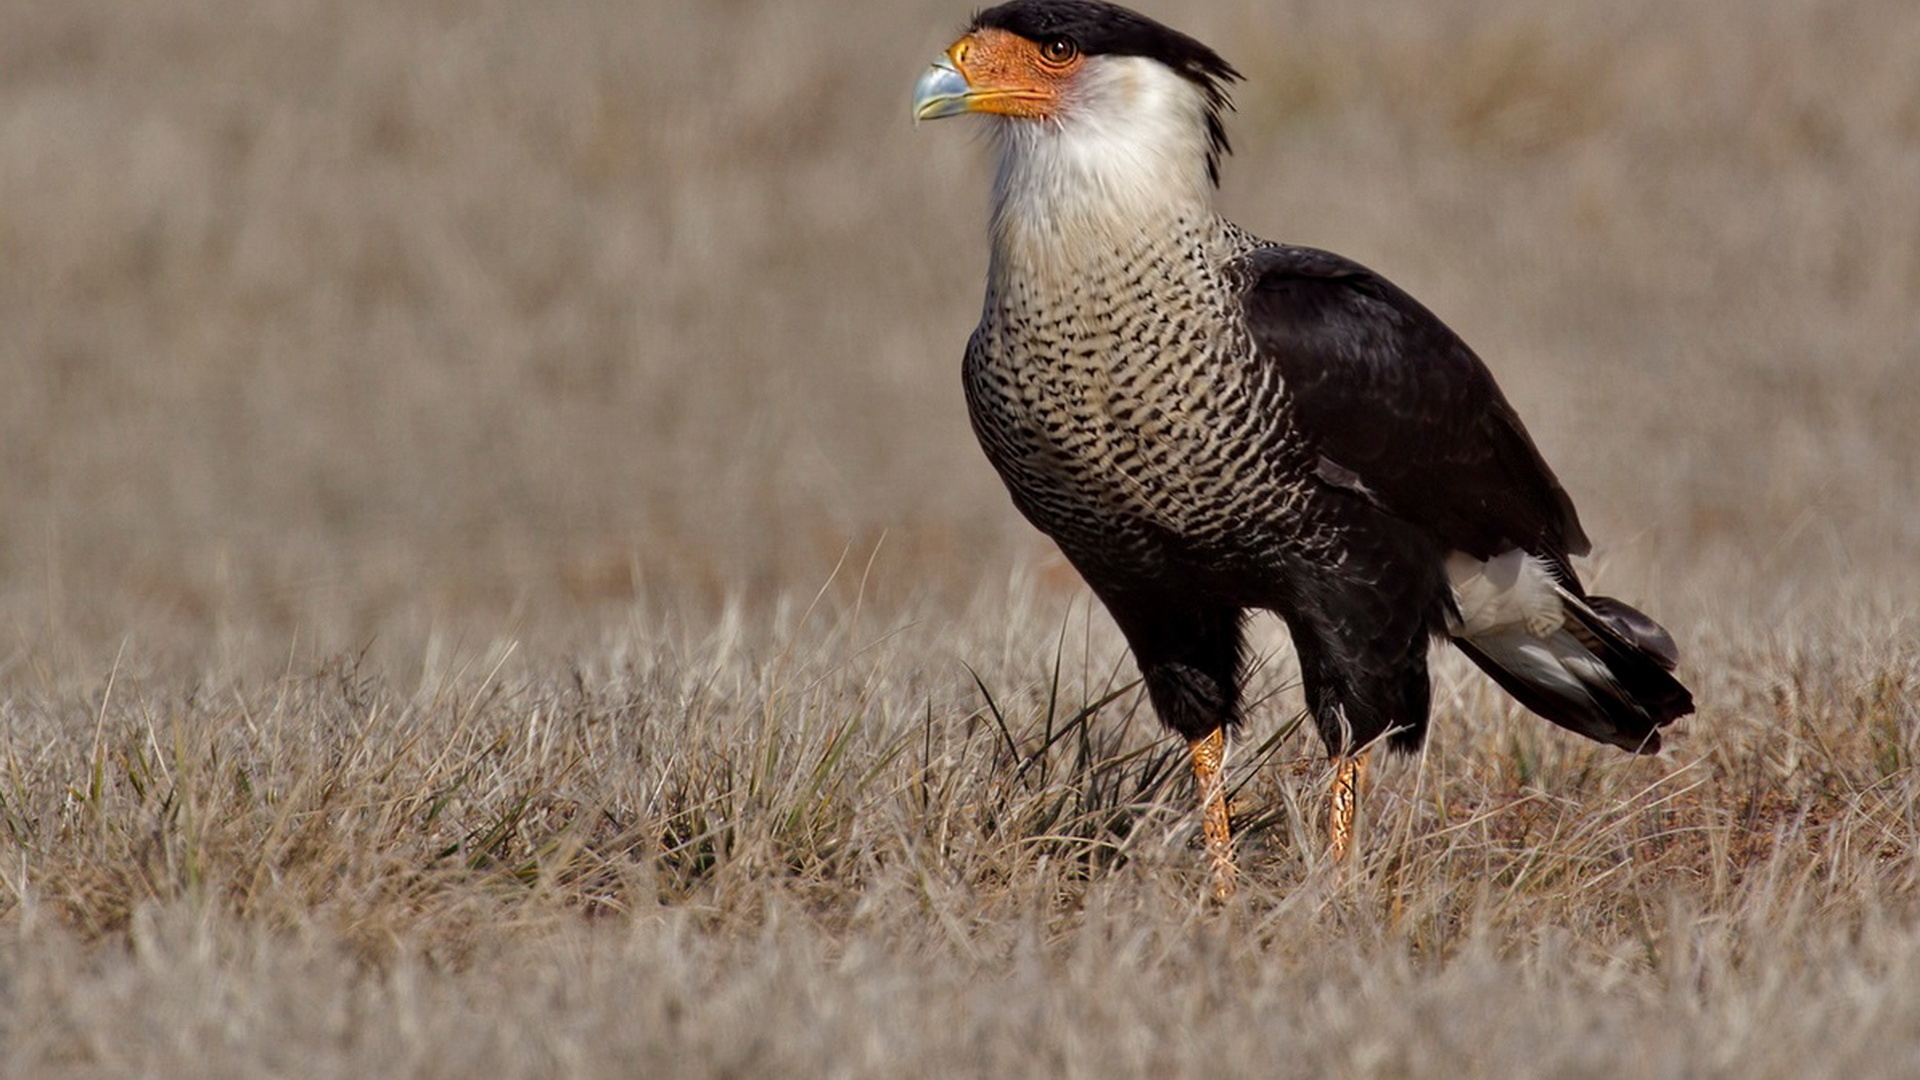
(1058,51)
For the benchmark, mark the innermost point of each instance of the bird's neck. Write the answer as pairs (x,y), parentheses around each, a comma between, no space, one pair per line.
(1065,199)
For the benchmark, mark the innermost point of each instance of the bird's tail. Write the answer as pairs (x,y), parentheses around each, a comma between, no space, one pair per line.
(1606,672)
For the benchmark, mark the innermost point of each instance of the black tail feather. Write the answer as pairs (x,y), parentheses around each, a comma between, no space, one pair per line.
(1637,627)
(1611,682)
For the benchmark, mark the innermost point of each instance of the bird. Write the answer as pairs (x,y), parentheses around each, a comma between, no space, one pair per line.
(1211,425)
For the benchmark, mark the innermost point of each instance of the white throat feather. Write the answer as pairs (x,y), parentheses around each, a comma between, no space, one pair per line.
(1127,150)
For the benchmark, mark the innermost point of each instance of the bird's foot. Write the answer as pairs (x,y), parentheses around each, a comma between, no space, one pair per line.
(1343,804)
(1209,754)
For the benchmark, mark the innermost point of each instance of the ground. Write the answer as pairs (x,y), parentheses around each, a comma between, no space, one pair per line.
(495,578)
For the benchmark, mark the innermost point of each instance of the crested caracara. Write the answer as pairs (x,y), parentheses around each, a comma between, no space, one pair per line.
(1209,424)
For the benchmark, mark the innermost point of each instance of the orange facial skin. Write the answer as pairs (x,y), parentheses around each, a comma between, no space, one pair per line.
(1007,75)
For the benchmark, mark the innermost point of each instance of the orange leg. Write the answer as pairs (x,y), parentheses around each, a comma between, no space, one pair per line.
(1343,803)
(1209,755)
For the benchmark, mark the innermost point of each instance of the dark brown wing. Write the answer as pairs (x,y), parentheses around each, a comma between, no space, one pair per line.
(1395,403)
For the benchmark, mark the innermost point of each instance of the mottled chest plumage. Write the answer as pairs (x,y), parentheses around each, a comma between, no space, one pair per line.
(1117,396)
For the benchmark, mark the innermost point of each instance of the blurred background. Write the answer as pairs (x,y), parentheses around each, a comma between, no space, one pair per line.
(328,324)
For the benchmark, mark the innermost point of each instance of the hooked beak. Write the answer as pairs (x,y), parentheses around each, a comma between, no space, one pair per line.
(942,91)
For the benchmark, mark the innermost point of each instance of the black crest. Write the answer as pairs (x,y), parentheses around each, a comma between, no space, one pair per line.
(1101,29)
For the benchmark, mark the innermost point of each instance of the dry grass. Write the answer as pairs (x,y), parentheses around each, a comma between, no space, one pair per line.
(495,579)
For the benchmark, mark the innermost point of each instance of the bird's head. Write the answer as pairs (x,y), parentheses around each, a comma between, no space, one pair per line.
(1087,88)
